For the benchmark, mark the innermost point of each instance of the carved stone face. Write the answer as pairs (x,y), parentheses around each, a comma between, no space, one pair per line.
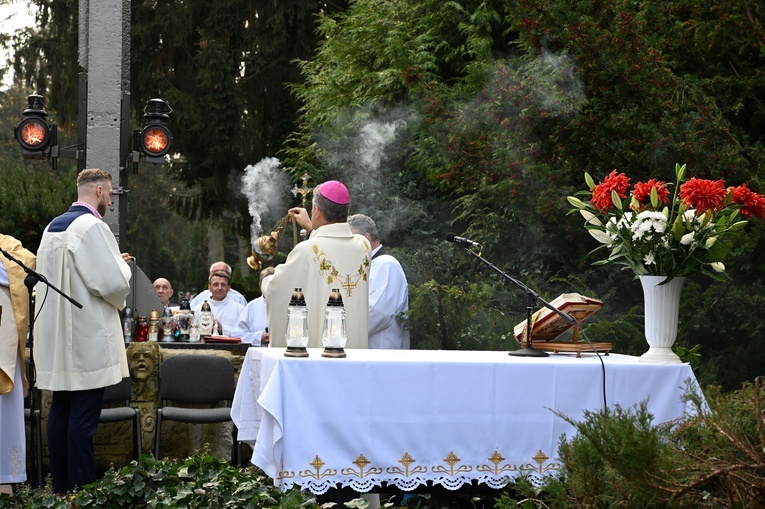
(143,359)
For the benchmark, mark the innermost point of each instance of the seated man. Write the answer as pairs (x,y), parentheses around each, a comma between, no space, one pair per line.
(232,294)
(225,311)
(164,290)
(253,321)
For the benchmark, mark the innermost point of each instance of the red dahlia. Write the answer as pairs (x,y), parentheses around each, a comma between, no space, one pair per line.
(642,191)
(703,194)
(752,204)
(601,195)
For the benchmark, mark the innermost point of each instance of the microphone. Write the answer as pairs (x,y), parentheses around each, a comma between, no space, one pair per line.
(451,237)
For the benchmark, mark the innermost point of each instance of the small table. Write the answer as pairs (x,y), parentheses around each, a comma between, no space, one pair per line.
(410,418)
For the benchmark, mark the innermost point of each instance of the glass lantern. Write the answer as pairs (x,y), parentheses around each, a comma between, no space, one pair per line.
(296,336)
(168,324)
(334,335)
(185,319)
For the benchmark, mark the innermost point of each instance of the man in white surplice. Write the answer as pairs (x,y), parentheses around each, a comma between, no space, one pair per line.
(225,311)
(252,324)
(388,290)
(332,257)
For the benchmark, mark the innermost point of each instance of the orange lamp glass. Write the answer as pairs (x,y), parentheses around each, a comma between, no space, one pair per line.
(155,140)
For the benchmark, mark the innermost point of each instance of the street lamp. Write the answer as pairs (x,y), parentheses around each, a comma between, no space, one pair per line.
(33,133)
(155,139)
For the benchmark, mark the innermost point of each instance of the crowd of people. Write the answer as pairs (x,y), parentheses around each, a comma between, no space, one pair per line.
(76,359)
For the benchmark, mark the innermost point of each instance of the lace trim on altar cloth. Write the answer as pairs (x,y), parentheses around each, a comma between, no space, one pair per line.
(412,483)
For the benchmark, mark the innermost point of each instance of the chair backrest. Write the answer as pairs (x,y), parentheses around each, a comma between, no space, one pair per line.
(118,392)
(196,379)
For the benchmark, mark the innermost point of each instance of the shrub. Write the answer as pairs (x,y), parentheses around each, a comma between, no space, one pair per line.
(200,481)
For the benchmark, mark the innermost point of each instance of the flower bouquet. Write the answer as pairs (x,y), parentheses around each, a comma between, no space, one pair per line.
(670,230)
(664,233)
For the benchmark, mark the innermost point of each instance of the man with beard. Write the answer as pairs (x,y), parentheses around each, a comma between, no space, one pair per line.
(79,352)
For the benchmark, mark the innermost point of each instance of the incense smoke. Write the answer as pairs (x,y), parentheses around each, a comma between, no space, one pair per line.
(367,153)
(266,187)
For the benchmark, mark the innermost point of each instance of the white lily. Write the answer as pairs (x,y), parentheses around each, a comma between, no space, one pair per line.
(590,218)
(601,236)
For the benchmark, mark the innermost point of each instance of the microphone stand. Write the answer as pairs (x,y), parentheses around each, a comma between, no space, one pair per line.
(531,298)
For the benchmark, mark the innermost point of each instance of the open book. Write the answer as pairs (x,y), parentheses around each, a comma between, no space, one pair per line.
(548,325)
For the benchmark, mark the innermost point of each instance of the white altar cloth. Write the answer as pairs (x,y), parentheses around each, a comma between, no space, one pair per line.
(409,417)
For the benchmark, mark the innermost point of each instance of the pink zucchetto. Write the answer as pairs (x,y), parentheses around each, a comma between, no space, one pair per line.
(335,191)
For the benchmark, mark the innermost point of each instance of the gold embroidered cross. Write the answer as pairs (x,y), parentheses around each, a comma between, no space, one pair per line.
(348,285)
(496,458)
(361,462)
(540,458)
(407,461)
(317,463)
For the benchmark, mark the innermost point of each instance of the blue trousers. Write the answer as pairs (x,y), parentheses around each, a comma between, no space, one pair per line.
(72,424)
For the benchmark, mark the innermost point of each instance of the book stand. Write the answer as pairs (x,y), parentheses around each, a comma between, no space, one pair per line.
(548,326)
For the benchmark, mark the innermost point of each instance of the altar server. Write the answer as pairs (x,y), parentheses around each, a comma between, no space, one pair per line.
(252,324)
(79,352)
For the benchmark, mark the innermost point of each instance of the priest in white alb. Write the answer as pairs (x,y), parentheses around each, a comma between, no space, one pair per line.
(388,290)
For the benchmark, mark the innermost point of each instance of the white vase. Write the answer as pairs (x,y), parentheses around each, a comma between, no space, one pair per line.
(662,309)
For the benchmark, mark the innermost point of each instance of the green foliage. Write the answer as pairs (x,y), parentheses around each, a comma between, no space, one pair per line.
(522,494)
(454,318)
(619,444)
(619,458)
(30,199)
(46,58)
(200,481)
(216,66)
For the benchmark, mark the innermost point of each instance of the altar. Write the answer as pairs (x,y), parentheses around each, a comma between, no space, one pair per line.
(410,418)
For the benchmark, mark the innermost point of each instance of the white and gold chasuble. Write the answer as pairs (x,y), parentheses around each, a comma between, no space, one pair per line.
(332,257)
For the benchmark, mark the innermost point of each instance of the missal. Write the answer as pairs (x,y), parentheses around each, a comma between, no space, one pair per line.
(548,325)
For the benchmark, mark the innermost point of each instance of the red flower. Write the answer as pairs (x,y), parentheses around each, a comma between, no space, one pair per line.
(601,195)
(703,194)
(752,204)
(642,191)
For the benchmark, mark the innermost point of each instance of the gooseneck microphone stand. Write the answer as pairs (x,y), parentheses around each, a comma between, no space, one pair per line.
(531,299)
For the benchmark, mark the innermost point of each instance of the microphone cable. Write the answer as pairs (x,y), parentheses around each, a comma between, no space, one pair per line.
(602,365)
